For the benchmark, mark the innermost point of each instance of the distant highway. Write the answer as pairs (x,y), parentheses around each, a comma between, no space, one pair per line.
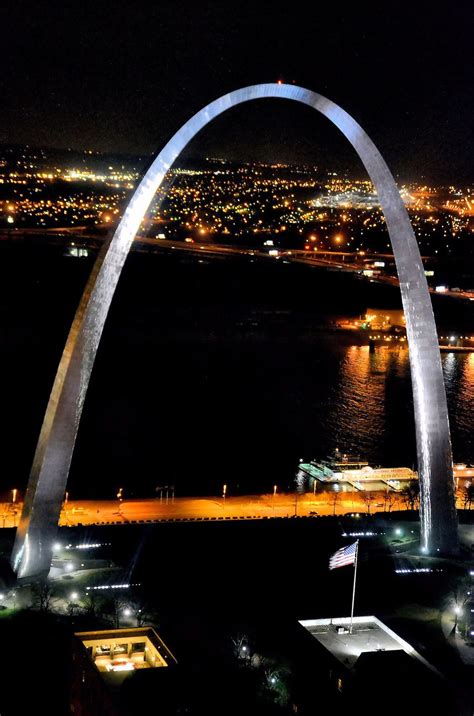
(342,260)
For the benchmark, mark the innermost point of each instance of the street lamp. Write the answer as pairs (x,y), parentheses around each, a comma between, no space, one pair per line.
(14,491)
(66,498)
(273,498)
(224,491)
(119,497)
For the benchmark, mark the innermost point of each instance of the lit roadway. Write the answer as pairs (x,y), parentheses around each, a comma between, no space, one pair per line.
(342,260)
(93,512)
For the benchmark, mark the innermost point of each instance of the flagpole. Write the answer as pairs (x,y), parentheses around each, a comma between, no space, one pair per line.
(354,586)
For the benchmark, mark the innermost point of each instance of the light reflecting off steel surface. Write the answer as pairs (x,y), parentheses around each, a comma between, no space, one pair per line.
(32,551)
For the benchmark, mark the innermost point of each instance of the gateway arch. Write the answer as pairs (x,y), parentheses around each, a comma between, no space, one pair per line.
(32,551)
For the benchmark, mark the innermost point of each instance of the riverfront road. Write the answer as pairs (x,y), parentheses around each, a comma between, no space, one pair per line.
(93,512)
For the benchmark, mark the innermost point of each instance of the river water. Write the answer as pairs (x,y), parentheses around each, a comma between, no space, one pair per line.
(213,372)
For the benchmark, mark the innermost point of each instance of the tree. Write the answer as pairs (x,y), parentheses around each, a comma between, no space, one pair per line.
(73,609)
(144,613)
(276,673)
(241,647)
(410,494)
(10,512)
(91,604)
(43,597)
(389,500)
(459,595)
(368,499)
(467,493)
(113,609)
(141,609)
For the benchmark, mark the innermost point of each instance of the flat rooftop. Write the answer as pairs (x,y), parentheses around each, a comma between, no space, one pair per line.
(369,634)
(123,650)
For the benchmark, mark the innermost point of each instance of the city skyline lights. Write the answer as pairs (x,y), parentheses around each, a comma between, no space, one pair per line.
(221,198)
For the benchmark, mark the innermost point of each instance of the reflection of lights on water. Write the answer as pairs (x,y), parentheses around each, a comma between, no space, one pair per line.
(361,394)
(450,364)
(300,481)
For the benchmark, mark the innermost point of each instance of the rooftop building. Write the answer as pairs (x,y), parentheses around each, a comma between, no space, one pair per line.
(114,666)
(371,670)
(368,635)
(120,650)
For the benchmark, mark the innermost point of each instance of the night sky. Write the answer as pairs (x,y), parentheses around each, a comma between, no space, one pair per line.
(118,77)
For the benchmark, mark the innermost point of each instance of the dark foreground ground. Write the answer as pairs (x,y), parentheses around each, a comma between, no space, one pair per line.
(212,588)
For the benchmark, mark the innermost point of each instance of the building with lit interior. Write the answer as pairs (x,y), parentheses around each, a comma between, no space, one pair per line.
(103,661)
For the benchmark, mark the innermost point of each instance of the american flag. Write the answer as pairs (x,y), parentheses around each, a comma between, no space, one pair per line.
(343,556)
